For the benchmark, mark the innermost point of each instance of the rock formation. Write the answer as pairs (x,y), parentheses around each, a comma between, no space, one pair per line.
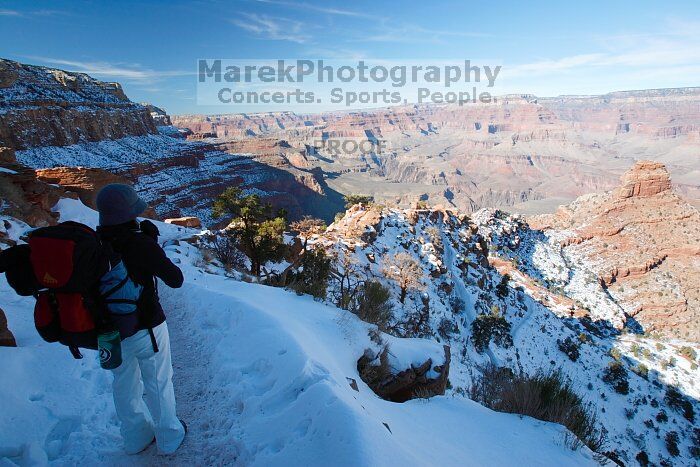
(402,385)
(86,182)
(643,241)
(6,337)
(24,196)
(646,178)
(82,133)
(192,222)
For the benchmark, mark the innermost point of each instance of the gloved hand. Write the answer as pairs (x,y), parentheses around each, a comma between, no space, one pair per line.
(149,228)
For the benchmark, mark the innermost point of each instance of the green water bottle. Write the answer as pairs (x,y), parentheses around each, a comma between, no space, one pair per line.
(109,344)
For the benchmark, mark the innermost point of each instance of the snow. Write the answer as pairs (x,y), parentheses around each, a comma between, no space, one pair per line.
(261,377)
(12,227)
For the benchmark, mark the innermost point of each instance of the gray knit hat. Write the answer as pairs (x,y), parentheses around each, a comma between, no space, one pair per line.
(119,203)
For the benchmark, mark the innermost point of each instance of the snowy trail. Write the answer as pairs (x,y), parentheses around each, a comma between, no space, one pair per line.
(462,292)
(525,319)
(460,288)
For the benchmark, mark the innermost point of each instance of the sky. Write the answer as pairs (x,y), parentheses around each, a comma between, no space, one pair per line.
(544,48)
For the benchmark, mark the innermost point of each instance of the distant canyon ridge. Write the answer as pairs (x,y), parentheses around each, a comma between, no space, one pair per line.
(523,153)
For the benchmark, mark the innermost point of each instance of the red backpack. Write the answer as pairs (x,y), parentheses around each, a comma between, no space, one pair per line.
(68,261)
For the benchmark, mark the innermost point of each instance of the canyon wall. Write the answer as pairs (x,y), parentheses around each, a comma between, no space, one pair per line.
(47,107)
(520,153)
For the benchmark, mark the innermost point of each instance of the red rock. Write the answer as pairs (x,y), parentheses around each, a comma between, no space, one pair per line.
(86,182)
(641,240)
(6,337)
(192,222)
(27,198)
(58,108)
(646,178)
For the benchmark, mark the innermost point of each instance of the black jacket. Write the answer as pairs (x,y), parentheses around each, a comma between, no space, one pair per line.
(145,260)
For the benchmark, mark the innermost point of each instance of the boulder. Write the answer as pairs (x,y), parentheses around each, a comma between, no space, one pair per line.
(191,222)
(27,198)
(410,383)
(6,337)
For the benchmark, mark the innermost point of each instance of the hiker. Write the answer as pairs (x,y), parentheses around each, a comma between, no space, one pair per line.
(146,361)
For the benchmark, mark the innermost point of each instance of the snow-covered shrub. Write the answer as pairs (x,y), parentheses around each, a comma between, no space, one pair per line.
(373,304)
(417,323)
(486,328)
(545,396)
(314,274)
(615,354)
(405,271)
(225,249)
(695,448)
(661,417)
(688,352)
(502,287)
(569,347)
(671,440)
(447,328)
(680,403)
(456,304)
(642,370)
(643,458)
(616,376)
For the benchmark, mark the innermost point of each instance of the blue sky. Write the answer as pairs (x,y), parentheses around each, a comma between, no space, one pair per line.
(545,48)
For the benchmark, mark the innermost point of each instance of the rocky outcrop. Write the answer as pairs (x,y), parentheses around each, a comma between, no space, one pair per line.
(6,337)
(24,196)
(191,222)
(48,107)
(86,182)
(646,178)
(160,117)
(43,107)
(421,381)
(359,223)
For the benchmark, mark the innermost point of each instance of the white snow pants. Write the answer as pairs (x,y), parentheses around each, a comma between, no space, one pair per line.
(141,369)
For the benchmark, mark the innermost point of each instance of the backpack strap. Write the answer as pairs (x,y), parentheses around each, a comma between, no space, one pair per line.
(75,351)
(154,343)
(121,284)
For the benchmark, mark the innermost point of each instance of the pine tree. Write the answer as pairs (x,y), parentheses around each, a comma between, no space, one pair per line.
(259,231)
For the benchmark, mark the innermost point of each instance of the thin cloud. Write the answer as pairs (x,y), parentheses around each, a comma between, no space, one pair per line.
(662,59)
(120,71)
(273,28)
(316,8)
(679,47)
(33,13)
(417,34)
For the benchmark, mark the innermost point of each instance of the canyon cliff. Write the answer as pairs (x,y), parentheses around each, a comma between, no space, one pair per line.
(643,242)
